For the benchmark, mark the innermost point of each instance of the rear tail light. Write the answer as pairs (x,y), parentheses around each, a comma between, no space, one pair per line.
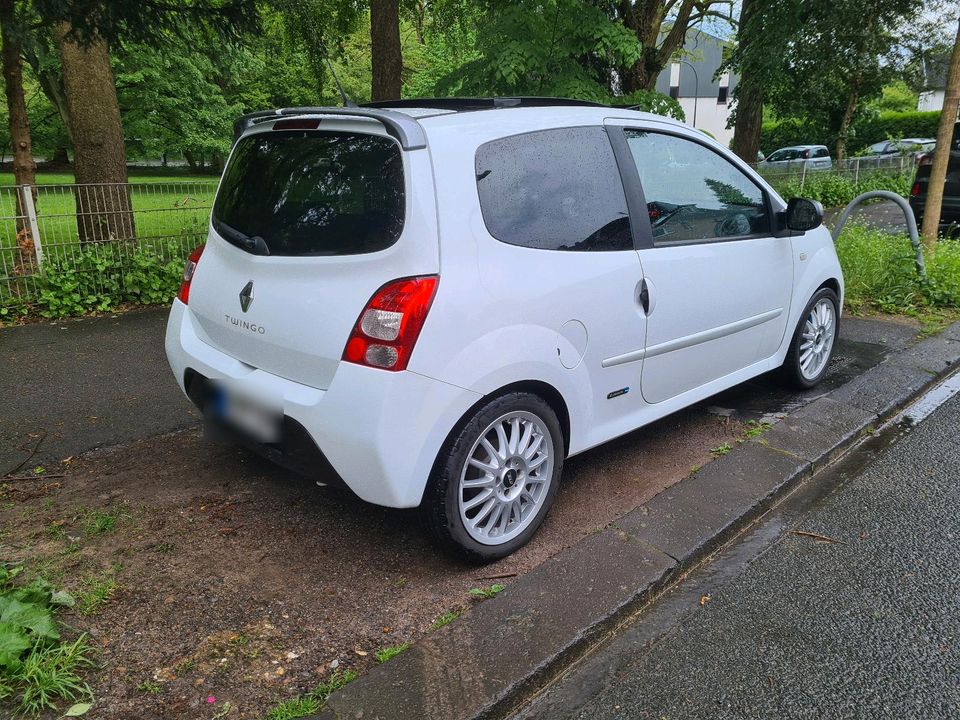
(925,159)
(390,324)
(915,190)
(189,269)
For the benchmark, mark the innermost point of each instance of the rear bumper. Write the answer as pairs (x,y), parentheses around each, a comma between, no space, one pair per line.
(379,431)
(949,212)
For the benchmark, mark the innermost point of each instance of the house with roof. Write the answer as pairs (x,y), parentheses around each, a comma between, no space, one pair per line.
(692,80)
(934,84)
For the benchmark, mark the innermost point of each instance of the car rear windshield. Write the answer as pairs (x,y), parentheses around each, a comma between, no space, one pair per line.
(311,193)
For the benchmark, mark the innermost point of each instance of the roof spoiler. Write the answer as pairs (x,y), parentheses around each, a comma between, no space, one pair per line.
(405,129)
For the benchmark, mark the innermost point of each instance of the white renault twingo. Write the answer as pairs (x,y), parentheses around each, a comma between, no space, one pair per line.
(436,302)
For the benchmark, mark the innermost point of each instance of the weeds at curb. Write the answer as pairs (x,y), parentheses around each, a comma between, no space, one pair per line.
(486,593)
(388,653)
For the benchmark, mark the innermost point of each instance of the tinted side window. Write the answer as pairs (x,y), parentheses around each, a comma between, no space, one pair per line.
(554,190)
(694,194)
(821,153)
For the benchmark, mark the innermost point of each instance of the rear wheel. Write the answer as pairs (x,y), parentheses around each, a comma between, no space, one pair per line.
(496,479)
(812,345)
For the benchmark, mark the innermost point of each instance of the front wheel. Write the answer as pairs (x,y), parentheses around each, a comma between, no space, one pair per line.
(812,345)
(496,478)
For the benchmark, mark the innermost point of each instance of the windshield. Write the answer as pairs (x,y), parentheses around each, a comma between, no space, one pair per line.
(311,193)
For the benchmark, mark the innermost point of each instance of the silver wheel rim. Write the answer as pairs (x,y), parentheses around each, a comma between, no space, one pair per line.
(816,340)
(506,478)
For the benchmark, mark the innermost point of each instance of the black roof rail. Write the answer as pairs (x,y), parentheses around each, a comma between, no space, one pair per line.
(462,104)
(401,126)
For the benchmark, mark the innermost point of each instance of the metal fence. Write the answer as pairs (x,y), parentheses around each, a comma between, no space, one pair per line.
(41,226)
(853,168)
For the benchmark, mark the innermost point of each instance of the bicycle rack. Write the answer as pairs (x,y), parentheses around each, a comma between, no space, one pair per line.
(907,214)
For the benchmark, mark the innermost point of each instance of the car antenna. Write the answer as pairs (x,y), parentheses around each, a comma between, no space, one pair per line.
(347,102)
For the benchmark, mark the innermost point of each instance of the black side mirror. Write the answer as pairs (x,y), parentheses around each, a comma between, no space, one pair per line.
(804,214)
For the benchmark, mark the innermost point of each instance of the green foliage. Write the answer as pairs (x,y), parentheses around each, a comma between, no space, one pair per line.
(314,700)
(559,47)
(486,593)
(388,653)
(869,129)
(37,669)
(101,277)
(96,593)
(445,619)
(897,97)
(879,272)
(835,190)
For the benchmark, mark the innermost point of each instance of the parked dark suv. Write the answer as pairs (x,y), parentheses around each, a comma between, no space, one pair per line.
(950,213)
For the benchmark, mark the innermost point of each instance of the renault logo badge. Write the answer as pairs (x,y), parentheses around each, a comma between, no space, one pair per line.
(246,296)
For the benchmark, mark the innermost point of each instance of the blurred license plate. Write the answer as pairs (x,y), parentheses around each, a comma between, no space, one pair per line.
(254,416)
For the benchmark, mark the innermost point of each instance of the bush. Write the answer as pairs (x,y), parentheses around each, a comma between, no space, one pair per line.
(835,189)
(879,272)
(98,278)
(866,131)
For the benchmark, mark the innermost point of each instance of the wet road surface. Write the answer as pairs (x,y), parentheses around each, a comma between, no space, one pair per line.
(857,619)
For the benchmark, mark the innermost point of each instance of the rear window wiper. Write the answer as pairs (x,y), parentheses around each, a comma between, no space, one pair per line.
(251,243)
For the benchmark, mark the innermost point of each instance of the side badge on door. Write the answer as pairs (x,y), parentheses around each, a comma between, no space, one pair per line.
(246,296)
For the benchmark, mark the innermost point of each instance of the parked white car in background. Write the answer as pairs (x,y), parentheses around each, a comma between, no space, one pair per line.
(437,302)
(814,157)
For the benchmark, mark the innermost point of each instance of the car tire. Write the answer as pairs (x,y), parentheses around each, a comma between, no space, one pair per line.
(495,478)
(813,341)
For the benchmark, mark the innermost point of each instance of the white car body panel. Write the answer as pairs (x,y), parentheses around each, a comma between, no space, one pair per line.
(720,313)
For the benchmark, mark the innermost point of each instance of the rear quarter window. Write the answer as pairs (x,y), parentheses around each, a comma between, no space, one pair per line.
(312,193)
(554,190)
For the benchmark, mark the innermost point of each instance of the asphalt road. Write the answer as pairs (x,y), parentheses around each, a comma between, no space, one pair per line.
(69,386)
(867,627)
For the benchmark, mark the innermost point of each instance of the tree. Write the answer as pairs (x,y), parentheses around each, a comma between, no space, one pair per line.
(24,168)
(385,51)
(661,26)
(83,31)
(104,211)
(824,60)
(748,93)
(941,156)
(557,47)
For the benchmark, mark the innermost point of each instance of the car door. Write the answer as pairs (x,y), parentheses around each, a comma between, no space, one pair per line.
(718,285)
(564,259)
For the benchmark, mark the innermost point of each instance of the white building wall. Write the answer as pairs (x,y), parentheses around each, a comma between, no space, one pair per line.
(711,116)
(931,100)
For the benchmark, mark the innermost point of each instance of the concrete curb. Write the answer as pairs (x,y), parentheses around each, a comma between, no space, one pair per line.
(487,663)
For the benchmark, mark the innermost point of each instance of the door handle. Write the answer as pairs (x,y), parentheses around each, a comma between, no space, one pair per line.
(644,297)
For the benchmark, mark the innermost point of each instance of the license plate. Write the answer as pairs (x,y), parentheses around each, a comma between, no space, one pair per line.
(254,416)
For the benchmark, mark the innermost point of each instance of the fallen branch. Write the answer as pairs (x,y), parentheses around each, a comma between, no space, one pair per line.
(817,536)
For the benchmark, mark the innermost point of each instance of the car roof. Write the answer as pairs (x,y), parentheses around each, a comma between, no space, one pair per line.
(406,120)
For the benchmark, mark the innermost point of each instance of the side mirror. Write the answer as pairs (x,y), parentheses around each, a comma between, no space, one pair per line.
(804,214)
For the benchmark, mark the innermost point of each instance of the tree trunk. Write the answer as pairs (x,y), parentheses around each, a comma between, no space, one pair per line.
(746,130)
(104,210)
(385,49)
(24,168)
(646,19)
(749,96)
(847,120)
(941,155)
